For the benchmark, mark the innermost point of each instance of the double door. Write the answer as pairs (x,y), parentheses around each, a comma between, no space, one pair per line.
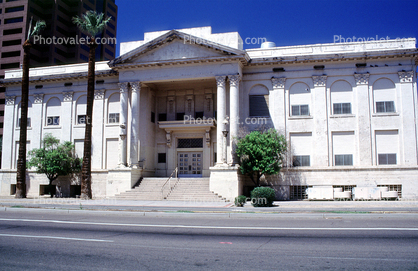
(190,164)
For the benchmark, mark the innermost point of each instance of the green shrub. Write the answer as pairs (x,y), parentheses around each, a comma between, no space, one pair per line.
(240,201)
(262,197)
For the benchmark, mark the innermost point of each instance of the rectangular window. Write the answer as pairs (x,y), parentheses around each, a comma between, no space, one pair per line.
(15,9)
(28,124)
(12,31)
(152,117)
(385,107)
(259,106)
(81,119)
(342,108)
(387,158)
(10,54)
(162,158)
(6,66)
(343,159)
(162,117)
(190,143)
(300,110)
(52,121)
(180,116)
(11,42)
(198,115)
(113,118)
(13,20)
(302,161)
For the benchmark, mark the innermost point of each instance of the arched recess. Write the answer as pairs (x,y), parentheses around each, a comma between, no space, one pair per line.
(53,112)
(300,99)
(259,101)
(113,108)
(384,96)
(341,97)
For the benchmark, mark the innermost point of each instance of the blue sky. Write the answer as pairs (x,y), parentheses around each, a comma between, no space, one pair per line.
(285,22)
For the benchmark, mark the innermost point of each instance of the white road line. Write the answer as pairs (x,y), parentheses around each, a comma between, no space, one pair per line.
(56,237)
(205,227)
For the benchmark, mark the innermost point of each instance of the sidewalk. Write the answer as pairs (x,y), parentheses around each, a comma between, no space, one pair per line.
(196,206)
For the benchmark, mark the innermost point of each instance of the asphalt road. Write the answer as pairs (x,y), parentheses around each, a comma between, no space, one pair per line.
(32,239)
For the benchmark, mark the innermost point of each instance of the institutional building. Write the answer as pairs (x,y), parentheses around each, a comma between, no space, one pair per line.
(348,111)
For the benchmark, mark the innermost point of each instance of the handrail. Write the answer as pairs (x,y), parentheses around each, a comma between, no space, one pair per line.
(169,182)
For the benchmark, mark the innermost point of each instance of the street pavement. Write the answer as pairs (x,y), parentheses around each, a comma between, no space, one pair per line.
(208,206)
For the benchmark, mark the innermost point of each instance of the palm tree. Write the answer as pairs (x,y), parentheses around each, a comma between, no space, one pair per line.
(90,23)
(21,162)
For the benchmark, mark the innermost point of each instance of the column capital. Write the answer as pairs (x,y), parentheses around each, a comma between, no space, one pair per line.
(320,81)
(123,87)
(10,100)
(99,94)
(67,96)
(362,79)
(406,77)
(136,86)
(38,98)
(278,82)
(234,79)
(220,81)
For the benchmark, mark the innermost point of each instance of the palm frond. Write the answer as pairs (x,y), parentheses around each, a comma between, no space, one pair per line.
(91,22)
(38,27)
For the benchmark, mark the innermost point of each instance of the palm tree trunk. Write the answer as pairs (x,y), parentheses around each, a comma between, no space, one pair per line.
(86,168)
(21,162)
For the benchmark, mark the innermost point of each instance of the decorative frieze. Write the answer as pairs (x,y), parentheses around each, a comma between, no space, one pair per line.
(320,81)
(208,98)
(168,138)
(123,87)
(234,80)
(278,82)
(99,94)
(67,96)
(362,79)
(406,77)
(136,86)
(10,100)
(207,136)
(38,98)
(220,81)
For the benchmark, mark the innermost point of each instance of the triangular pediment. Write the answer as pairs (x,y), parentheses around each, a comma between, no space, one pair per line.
(175,46)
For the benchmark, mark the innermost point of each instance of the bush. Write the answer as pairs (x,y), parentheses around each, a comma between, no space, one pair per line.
(262,197)
(240,201)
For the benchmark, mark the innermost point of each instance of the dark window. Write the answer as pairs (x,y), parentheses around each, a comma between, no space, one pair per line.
(12,31)
(68,84)
(39,86)
(52,121)
(15,9)
(110,34)
(344,160)
(11,42)
(152,117)
(162,117)
(215,158)
(1,124)
(259,106)
(2,89)
(300,110)
(301,161)
(111,7)
(2,101)
(10,54)
(28,124)
(13,20)
(98,82)
(198,115)
(10,66)
(1,113)
(109,52)
(81,119)
(342,108)
(387,158)
(162,158)
(383,107)
(83,57)
(180,116)
(113,118)
(190,143)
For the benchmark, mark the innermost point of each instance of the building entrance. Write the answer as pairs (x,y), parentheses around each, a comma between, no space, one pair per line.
(190,164)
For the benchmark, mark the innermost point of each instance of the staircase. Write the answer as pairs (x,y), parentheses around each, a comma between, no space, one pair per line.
(184,189)
(149,189)
(194,189)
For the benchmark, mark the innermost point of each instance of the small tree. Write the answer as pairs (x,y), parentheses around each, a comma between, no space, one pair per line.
(54,159)
(261,153)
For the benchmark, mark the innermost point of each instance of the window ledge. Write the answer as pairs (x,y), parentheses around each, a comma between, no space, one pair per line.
(337,116)
(79,125)
(112,125)
(392,114)
(28,128)
(52,127)
(299,117)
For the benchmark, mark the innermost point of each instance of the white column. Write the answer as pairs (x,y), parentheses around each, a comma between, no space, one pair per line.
(220,115)
(234,115)
(135,100)
(97,155)
(364,132)
(319,112)
(66,115)
(123,116)
(8,133)
(278,105)
(36,119)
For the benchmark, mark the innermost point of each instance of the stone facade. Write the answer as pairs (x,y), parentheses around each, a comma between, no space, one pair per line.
(179,99)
